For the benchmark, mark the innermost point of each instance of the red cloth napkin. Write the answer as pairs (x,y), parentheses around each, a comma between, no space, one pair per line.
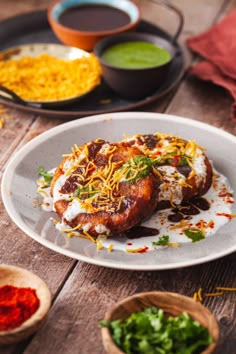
(218,46)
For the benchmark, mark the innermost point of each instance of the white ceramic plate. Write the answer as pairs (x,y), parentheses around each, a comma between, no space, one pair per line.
(32,50)
(19,187)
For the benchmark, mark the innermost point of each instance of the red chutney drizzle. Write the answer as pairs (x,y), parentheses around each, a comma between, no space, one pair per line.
(229,216)
(211,225)
(16,306)
(143,250)
(225,193)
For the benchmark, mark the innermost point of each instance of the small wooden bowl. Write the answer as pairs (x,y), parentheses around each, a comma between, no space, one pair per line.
(19,277)
(173,304)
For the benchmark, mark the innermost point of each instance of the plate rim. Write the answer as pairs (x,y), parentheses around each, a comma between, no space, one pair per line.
(64,114)
(37,141)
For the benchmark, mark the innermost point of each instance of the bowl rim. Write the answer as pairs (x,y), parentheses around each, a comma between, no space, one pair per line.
(106,335)
(111,41)
(68,30)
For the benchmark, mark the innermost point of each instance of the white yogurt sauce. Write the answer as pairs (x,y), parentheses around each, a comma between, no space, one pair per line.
(173,189)
(200,167)
(102,229)
(73,209)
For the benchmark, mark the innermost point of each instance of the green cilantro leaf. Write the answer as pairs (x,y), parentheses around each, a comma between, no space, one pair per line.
(104,323)
(45,174)
(194,234)
(163,241)
(183,161)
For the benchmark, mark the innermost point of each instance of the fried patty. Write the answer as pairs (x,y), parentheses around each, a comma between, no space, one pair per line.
(184,168)
(104,188)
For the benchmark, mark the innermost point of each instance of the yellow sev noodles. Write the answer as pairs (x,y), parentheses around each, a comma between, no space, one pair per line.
(47,78)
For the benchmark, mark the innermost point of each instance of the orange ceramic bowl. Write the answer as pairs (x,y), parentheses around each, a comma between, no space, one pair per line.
(82,23)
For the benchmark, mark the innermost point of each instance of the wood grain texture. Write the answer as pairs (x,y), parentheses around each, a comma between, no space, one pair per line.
(14,7)
(82,293)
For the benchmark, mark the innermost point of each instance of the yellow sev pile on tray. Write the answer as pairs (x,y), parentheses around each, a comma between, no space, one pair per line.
(47,78)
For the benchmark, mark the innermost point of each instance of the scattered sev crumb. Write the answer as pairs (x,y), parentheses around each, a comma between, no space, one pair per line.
(71,229)
(2,122)
(198,296)
(43,192)
(55,221)
(199,293)
(110,247)
(180,225)
(71,234)
(225,289)
(220,293)
(99,245)
(137,250)
(85,234)
(134,250)
(173,244)
(4,116)
(195,297)
(105,101)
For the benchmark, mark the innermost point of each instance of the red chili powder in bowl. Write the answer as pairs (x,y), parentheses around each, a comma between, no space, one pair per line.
(16,306)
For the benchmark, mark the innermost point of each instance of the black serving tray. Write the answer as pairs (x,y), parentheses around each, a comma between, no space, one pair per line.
(33,27)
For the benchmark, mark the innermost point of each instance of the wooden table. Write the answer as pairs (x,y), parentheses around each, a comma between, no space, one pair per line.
(82,292)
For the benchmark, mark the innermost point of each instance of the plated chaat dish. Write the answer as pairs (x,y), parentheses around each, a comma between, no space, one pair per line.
(139,194)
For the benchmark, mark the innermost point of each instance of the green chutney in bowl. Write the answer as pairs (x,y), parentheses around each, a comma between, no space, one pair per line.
(135,64)
(135,55)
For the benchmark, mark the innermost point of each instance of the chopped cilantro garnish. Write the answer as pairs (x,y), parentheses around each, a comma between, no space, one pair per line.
(150,331)
(173,153)
(163,241)
(172,158)
(142,164)
(183,161)
(81,192)
(195,234)
(45,174)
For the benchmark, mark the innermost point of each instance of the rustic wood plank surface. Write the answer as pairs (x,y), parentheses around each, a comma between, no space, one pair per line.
(82,292)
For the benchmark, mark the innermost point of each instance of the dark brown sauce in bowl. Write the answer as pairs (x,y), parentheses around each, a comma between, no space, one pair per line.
(94,18)
(82,23)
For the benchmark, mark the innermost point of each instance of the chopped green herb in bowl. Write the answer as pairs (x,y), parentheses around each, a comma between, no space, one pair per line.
(159,323)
